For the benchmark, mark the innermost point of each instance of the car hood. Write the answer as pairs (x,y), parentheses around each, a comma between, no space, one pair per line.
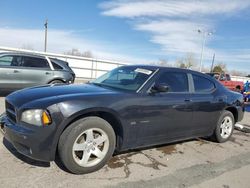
(28,95)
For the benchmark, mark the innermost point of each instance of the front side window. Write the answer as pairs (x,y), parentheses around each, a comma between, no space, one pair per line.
(6,60)
(176,81)
(10,60)
(202,84)
(35,62)
(124,78)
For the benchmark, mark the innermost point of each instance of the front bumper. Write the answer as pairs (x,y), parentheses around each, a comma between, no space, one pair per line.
(33,142)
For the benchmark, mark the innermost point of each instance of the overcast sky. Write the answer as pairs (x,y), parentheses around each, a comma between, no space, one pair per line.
(137,31)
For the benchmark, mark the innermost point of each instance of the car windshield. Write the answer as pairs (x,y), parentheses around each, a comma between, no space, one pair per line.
(124,78)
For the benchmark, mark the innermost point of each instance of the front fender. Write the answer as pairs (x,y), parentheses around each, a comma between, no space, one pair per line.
(71,116)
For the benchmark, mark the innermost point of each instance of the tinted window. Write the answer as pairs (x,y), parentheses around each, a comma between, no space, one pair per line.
(35,62)
(177,81)
(6,60)
(222,77)
(56,66)
(228,77)
(10,60)
(202,84)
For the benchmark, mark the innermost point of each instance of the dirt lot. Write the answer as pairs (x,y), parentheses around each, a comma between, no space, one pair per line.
(195,163)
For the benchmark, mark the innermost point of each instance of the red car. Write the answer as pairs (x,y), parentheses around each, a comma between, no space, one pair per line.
(225,80)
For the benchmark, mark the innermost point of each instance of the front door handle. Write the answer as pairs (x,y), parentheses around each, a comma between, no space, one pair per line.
(16,71)
(220,99)
(188,100)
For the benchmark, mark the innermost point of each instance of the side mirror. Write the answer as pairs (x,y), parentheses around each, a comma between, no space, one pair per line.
(160,88)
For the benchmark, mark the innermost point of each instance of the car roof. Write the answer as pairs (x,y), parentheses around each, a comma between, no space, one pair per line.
(22,54)
(162,68)
(155,67)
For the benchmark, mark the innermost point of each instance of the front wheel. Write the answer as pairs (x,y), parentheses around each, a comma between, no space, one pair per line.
(86,145)
(225,127)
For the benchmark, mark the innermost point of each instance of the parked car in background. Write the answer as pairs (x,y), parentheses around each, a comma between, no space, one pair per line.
(225,80)
(127,108)
(20,70)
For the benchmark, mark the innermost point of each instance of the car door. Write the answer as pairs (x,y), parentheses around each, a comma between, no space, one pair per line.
(166,116)
(35,71)
(206,104)
(10,79)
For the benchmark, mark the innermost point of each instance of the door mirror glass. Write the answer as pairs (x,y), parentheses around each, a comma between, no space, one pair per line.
(159,88)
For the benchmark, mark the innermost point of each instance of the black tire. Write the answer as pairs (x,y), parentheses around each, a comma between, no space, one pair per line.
(70,135)
(217,132)
(56,82)
(238,87)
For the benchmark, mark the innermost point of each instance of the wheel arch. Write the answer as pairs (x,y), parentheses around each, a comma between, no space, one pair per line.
(234,111)
(59,79)
(106,114)
(238,86)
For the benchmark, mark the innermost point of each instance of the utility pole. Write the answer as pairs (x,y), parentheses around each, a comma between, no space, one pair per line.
(205,34)
(212,66)
(45,38)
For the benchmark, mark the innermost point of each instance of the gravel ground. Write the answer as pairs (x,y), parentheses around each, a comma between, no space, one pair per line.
(195,163)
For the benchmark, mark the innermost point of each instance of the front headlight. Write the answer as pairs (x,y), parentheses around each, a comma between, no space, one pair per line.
(36,117)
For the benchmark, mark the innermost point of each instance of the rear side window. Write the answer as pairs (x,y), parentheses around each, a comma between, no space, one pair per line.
(202,84)
(228,77)
(35,62)
(56,66)
(177,81)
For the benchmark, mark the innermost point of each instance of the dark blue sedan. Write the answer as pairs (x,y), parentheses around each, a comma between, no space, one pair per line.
(127,108)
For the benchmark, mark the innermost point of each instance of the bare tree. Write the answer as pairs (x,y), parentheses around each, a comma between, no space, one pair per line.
(190,61)
(76,52)
(187,62)
(87,54)
(27,47)
(180,63)
(161,62)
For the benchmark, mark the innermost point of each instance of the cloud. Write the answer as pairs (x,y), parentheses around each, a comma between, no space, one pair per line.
(60,41)
(175,35)
(171,8)
(173,24)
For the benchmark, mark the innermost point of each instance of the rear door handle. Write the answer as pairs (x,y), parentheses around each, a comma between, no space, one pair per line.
(16,71)
(188,100)
(47,73)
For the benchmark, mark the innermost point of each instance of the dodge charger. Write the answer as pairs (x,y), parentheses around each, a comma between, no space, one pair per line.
(129,107)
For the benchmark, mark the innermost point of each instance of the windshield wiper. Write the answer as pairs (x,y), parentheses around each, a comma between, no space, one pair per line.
(98,84)
(103,85)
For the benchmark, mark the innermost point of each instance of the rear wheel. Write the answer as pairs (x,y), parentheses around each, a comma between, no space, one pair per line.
(56,82)
(86,145)
(225,127)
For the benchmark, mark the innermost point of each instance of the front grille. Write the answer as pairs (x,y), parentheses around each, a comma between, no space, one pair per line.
(10,111)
